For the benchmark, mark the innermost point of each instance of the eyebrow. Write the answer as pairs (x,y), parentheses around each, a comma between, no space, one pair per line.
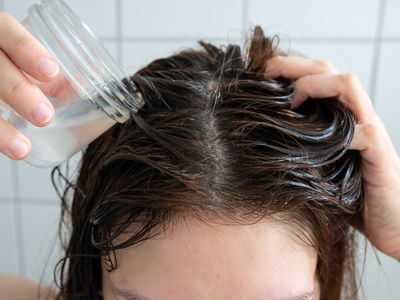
(304,296)
(131,295)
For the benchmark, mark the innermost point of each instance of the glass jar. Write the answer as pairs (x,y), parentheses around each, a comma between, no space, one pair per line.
(90,94)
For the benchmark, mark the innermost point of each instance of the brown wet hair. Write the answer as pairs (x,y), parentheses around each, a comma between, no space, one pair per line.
(217,140)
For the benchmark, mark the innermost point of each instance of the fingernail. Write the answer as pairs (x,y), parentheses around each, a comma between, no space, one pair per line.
(48,67)
(42,113)
(18,147)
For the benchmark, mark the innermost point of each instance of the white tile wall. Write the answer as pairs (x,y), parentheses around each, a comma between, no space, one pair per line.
(102,21)
(19,9)
(41,247)
(8,238)
(34,184)
(100,15)
(180,18)
(342,55)
(137,54)
(388,89)
(316,18)
(380,277)
(391,26)
(347,32)
(6,180)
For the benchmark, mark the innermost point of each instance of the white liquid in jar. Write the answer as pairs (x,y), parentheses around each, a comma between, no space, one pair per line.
(75,125)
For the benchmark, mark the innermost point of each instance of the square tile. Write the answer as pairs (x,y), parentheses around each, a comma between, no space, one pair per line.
(181,18)
(388,91)
(315,18)
(354,58)
(8,238)
(99,15)
(391,21)
(41,246)
(139,54)
(6,177)
(35,183)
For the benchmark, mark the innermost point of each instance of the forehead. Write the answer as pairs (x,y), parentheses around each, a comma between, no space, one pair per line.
(197,260)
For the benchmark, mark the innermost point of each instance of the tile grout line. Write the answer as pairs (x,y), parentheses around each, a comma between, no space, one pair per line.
(377,51)
(6,200)
(37,201)
(18,220)
(118,9)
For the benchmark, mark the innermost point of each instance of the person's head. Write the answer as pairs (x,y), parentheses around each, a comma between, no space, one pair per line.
(216,189)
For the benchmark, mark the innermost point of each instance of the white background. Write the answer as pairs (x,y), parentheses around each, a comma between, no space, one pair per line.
(358,36)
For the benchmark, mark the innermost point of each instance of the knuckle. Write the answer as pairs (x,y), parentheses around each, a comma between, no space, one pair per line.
(303,83)
(348,80)
(325,66)
(16,90)
(278,58)
(275,62)
(274,65)
(371,132)
(5,19)
(23,44)
(5,133)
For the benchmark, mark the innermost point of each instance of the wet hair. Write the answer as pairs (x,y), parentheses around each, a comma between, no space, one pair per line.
(215,140)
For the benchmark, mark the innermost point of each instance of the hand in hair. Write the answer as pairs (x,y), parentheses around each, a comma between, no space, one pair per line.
(380,162)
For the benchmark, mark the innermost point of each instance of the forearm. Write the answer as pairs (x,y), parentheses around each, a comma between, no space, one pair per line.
(18,288)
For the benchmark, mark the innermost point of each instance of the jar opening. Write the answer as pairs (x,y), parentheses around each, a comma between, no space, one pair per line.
(92,71)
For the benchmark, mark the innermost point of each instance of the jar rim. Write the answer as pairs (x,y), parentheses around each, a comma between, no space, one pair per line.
(97,67)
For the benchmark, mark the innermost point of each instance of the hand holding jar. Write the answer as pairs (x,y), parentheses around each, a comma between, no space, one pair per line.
(60,88)
(20,52)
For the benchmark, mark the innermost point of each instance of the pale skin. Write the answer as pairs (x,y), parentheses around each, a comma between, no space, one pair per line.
(200,261)
(20,52)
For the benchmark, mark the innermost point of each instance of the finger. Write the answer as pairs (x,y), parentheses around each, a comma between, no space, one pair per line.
(22,95)
(13,143)
(372,140)
(360,139)
(26,51)
(346,87)
(294,67)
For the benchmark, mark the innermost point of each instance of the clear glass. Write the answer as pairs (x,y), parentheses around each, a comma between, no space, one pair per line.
(90,94)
